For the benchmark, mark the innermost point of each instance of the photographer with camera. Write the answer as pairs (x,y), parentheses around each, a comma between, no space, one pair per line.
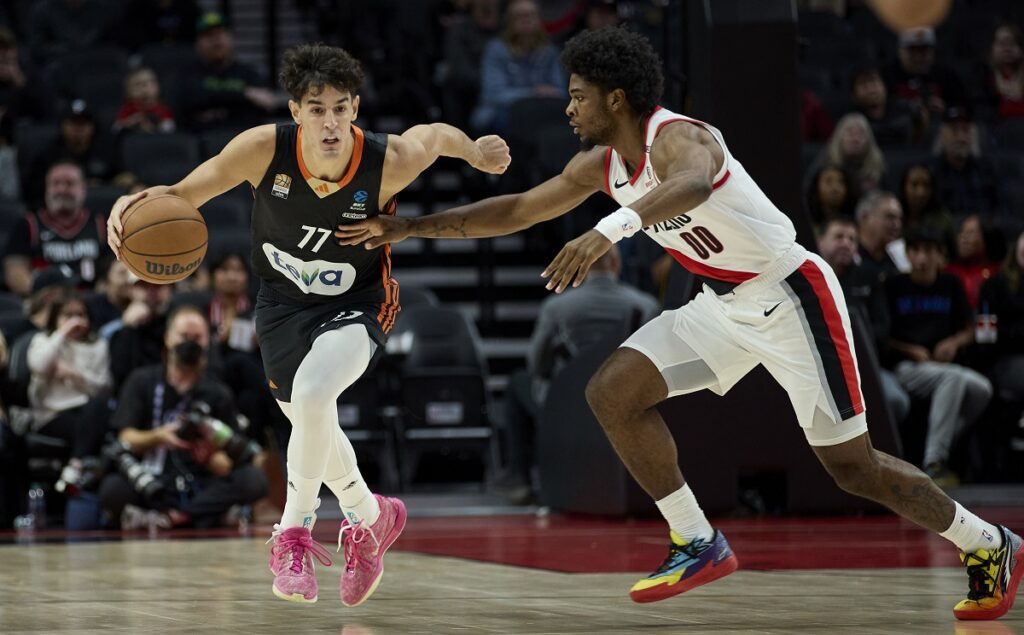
(178,454)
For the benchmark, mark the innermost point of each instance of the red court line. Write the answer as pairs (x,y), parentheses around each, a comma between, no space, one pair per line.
(590,544)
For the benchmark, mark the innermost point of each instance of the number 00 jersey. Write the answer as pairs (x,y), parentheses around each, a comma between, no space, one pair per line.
(294,251)
(731,237)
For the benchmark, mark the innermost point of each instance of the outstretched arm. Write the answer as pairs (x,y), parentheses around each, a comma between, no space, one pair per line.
(417,148)
(244,158)
(686,158)
(494,216)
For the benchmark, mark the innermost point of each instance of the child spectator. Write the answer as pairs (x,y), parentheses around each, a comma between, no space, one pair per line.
(142,110)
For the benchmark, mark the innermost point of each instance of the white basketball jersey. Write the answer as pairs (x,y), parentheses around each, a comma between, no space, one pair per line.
(733,236)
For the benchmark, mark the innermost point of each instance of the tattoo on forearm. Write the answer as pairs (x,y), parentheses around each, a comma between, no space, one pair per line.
(441,227)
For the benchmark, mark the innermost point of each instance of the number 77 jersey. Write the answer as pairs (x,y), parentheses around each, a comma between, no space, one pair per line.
(728,239)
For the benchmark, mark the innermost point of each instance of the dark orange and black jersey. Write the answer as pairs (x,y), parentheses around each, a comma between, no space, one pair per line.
(294,251)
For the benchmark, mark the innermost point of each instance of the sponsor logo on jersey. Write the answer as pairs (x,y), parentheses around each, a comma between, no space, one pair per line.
(319,277)
(671,224)
(359,200)
(282,183)
(354,216)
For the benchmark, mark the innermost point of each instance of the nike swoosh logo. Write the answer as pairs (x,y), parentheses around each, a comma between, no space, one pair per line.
(771,310)
(618,185)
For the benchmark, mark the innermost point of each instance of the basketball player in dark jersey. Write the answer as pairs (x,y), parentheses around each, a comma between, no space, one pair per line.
(323,309)
(766,301)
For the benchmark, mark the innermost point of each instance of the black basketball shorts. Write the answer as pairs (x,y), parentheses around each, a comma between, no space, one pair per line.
(286,333)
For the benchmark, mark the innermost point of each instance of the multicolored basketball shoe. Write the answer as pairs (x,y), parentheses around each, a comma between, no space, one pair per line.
(687,566)
(364,550)
(993,576)
(291,562)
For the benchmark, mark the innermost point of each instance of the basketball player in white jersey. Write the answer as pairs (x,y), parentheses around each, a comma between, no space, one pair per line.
(766,300)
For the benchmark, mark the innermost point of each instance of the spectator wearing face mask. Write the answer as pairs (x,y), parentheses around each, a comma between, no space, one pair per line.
(163,419)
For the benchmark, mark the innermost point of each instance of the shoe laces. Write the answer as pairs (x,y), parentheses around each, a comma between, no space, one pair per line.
(350,537)
(298,544)
(981,583)
(692,549)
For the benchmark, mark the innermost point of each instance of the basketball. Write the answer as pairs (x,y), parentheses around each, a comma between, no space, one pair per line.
(900,15)
(164,239)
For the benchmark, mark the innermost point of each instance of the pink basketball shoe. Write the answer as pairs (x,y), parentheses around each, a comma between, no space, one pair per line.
(364,550)
(291,562)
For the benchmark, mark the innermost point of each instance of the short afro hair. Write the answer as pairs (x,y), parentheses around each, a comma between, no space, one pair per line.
(614,57)
(308,68)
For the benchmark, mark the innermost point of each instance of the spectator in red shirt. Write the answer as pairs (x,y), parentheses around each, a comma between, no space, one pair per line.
(975,262)
(142,110)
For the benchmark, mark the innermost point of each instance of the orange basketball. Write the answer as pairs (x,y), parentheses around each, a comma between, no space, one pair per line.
(164,239)
(900,15)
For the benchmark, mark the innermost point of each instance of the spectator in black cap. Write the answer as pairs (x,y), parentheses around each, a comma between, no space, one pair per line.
(79,142)
(62,233)
(218,91)
(927,88)
(966,179)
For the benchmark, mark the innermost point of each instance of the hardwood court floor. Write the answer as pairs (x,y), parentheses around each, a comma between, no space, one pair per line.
(200,585)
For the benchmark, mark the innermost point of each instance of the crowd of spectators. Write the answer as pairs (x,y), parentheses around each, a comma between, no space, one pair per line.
(99,98)
(913,160)
(912,165)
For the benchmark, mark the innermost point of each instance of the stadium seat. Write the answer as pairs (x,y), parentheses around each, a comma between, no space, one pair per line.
(32,139)
(1010,134)
(365,422)
(214,141)
(143,150)
(100,198)
(227,212)
(443,390)
(10,303)
(410,296)
(66,72)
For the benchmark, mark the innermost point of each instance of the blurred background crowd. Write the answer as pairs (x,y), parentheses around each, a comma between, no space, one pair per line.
(127,403)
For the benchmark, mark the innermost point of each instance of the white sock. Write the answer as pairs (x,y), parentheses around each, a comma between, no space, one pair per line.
(970,533)
(685,516)
(357,501)
(301,500)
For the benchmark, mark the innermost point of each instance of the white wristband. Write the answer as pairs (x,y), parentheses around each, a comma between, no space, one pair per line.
(622,223)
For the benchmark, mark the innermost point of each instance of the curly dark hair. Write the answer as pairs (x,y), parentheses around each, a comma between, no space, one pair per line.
(614,57)
(308,68)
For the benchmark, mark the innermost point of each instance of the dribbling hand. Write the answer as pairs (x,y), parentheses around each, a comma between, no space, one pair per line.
(494,155)
(114,226)
(375,231)
(572,264)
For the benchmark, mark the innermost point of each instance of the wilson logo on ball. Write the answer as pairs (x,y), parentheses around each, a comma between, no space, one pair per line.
(173,269)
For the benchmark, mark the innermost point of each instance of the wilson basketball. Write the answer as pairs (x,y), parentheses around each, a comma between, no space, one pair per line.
(164,239)
(900,15)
